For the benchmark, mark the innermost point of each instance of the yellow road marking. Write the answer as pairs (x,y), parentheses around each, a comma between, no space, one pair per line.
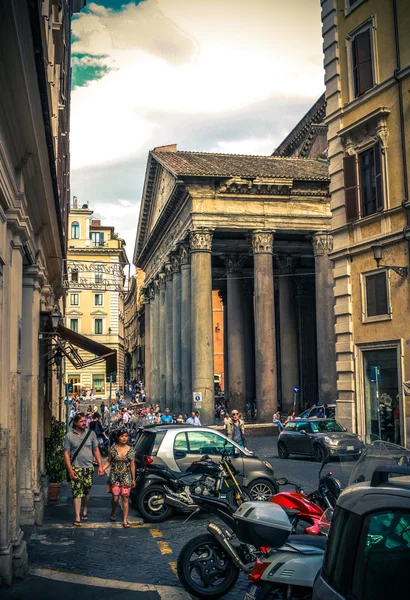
(173,566)
(156,533)
(164,548)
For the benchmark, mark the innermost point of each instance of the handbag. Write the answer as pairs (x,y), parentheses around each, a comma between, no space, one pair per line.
(76,453)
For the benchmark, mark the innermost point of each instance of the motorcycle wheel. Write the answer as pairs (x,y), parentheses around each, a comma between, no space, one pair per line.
(261,490)
(204,568)
(151,504)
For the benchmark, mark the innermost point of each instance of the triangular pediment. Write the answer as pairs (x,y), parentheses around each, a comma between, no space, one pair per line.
(98,313)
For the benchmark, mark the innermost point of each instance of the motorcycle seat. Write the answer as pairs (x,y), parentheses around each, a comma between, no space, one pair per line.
(317,541)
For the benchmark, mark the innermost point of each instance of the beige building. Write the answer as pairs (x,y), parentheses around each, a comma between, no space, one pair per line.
(94,280)
(134,328)
(367,61)
(34,192)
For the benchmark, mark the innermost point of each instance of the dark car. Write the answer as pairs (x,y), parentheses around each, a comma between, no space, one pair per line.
(318,438)
(178,446)
(320,411)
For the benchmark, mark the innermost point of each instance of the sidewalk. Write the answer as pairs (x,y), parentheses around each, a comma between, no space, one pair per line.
(100,559)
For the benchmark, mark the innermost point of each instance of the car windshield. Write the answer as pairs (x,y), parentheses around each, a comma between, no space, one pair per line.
(326,426)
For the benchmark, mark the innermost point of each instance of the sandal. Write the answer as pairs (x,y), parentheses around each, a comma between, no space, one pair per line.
(76,524)
(113,517)
(126,525)
(84,517)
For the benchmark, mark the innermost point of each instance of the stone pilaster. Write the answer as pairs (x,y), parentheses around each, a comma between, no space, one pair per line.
(249,339)
(325,329)
(202,329)
(236,338)
(223,296)
(176,333)
(169,390)
(147,347)
(162,341)
(186,330)
(289,363)
(154,342)
(265,343)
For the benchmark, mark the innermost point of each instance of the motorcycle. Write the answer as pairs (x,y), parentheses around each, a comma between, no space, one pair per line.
(309,507)
(164,490)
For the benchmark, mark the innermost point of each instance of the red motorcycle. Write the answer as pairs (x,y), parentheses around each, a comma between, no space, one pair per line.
(308,508)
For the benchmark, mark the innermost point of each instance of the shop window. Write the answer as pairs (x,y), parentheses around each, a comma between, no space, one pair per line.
(98,384)
(74,325)
(381,395)
(75,230)
(74,299)
(98,326)
(377,299)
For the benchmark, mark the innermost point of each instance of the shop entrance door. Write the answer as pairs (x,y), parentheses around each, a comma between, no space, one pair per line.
(382,404)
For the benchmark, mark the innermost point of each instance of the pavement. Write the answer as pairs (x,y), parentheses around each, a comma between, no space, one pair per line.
(103,560)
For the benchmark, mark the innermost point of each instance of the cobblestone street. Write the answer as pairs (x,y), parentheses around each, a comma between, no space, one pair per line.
(144,555)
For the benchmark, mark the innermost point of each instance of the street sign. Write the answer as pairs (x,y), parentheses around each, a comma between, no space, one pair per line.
(375,375)
(113,380)
(69,388)
(296,389)
(197,396)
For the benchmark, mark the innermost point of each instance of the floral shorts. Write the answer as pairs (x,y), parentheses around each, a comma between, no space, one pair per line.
(118,490)
(82,485)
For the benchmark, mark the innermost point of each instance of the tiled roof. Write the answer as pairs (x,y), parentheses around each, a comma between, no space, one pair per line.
(203,164)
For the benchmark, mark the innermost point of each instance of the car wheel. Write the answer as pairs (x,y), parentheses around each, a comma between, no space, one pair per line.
(282,450)
(319,453)
(151,504)
(262,490)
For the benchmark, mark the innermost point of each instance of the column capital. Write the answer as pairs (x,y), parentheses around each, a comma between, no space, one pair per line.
(285,263)
(175,259)
(185,257)
(200,240)
(145,295)
(322,243)
(231,261)
(168,271)
(262,241)
(151,291)
(161,281)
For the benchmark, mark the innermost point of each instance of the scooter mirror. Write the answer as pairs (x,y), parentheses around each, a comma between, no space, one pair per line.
(282,481)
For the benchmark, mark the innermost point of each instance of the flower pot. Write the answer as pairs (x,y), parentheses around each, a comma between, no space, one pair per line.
(54,491)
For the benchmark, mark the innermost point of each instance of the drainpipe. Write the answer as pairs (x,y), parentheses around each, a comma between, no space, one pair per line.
(405,201)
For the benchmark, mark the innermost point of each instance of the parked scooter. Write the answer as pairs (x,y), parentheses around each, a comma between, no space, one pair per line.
(309,507)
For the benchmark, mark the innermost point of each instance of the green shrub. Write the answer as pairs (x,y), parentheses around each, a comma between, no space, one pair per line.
(54,452)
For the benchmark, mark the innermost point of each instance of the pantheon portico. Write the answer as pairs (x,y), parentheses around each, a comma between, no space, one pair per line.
(255,229)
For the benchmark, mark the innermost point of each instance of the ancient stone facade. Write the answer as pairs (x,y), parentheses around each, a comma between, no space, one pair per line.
(252,228)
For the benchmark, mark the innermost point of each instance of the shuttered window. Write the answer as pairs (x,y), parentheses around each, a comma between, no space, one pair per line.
(371,180)
(376,295)
(362,62)
(350,180)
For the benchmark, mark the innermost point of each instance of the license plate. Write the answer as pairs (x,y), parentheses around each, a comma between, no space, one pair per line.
(252,592)
(350,448)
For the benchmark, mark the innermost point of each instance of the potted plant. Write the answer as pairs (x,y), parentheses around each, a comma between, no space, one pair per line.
(54,458)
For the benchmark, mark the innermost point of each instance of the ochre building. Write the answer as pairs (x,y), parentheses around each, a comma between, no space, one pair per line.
(367,62)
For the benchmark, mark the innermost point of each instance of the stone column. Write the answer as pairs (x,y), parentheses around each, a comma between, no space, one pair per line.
(176,334)
(236,339)
(289,363)
(147,357)
(162,342)
(31,498)
(325,328)
(186,330)
(223,296)
(249,340)
(169,389)
(202,329)
(265,343)
(154,342)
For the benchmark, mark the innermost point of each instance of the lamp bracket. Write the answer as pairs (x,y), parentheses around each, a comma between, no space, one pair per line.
(401,271)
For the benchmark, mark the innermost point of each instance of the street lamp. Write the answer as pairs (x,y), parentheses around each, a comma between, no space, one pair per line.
(55,318)
(377,250)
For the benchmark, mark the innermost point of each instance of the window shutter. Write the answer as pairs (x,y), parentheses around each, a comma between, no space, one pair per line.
(364,66)
(378,176)
(376,294)
(350,180)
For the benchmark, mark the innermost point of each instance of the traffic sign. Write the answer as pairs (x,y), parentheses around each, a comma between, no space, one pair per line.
(197,396)
(296,389)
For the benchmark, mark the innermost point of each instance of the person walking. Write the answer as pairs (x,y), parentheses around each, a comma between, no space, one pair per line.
(122,474)
(235,429)
(80,449)
(167,417)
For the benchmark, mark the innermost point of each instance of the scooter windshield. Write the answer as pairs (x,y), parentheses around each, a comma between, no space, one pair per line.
(378,453)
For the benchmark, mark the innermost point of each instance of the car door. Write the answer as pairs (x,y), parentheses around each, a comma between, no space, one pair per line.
(302,441)
(289,436)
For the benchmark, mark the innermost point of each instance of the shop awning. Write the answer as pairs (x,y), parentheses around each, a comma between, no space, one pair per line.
(100,351)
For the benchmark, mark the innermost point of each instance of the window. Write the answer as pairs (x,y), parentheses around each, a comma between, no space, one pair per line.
(98,384)
(371,180)
(204,442)
(290,426)
(362,62)
(75,230)
(74,299)
(99,274)
(383,555)
(98,326)
(74,325)
(304,425)
(97,238)
(377,302)
(74,276)
(98,299)
(180,442)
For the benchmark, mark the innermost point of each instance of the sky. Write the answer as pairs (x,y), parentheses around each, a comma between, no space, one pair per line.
(231,76)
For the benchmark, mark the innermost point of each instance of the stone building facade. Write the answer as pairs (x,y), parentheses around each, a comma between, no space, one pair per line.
(34,192)
(94,281)
(254,229)
(367,63)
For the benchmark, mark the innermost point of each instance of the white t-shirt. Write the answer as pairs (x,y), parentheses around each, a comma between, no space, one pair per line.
(126,417)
